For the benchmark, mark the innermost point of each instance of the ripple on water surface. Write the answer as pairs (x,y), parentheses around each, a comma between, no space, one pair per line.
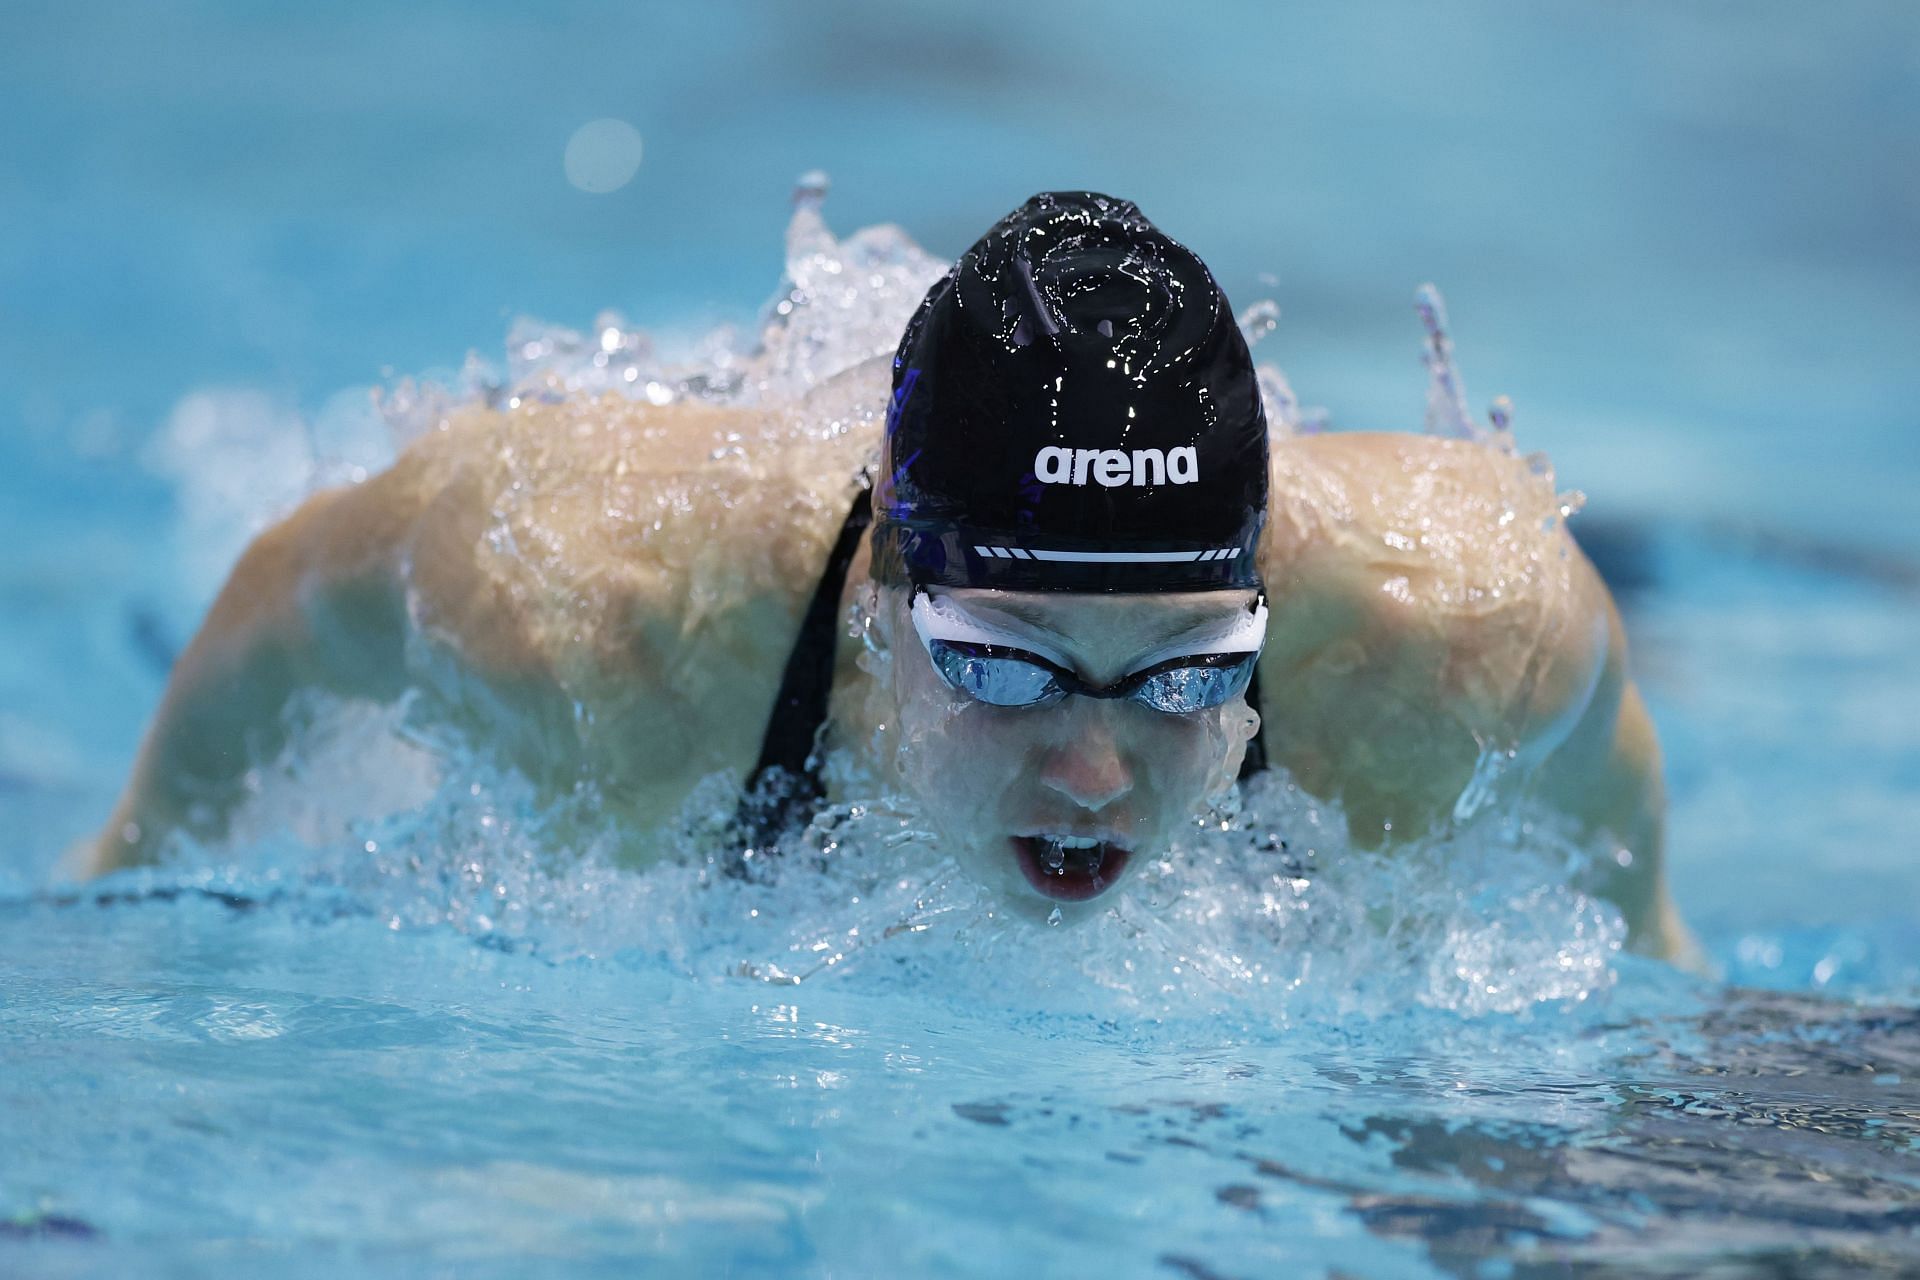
(275,1072)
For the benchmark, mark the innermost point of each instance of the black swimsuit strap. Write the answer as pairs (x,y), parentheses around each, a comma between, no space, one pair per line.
(800,708)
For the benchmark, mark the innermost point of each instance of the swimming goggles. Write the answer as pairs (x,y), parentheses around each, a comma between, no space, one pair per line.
(974,658)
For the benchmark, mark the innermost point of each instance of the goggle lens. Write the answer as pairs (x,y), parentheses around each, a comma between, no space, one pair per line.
(996,680)
(1003,678)
(1196,688)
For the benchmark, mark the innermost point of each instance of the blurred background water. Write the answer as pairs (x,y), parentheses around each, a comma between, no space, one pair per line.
(1685,239)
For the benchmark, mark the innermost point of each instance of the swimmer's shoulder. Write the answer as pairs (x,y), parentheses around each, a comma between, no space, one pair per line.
(1428,604)
(1452,513)
(630,576)
(600,589)
(586,513)
(1424,534)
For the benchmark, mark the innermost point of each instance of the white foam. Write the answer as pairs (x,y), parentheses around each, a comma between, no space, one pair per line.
(1268,913)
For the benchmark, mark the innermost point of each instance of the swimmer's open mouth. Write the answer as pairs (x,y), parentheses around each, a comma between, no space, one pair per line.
(1067,869)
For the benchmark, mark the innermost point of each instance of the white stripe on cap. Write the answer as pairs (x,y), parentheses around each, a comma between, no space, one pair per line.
(1108,557)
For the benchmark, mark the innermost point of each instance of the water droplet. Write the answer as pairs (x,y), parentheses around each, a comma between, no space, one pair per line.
(1259,320)
(811,187)
(1481,787)
(1501,414)
(1447,413)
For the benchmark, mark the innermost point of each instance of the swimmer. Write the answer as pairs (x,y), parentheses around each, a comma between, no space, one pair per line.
(1089,593)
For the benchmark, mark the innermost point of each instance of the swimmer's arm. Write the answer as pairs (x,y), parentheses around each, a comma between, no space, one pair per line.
(313,603)
(1393,664)
(1607,775)
(1586,747)
(642,661)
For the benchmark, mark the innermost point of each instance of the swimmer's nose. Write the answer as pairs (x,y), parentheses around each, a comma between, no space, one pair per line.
(1088,770)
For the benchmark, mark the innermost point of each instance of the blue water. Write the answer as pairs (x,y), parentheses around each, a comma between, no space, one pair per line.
(1681,239)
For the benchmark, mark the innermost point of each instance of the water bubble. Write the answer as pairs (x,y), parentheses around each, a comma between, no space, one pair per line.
(603,155)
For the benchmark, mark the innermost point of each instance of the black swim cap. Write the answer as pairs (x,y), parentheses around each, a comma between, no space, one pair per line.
(1074,409)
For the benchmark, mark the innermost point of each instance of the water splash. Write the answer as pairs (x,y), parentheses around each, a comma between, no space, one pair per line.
(1258,320)
(1286,416)
(237,458)
(840,302)
(1447,412)
(1482,787)
(1265,911)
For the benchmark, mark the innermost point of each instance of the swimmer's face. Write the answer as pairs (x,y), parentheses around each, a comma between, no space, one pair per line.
(1055,801)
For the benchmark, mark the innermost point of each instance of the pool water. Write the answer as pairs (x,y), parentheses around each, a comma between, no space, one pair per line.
(458,1040)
